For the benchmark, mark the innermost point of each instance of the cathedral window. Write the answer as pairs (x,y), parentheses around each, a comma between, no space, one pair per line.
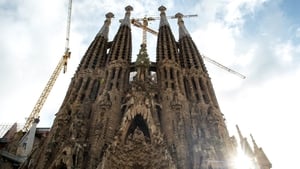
(87,83)
(194,84)
(159,113)
(201,84)
(89,113)
(137,166)
(113,73)
(95,89)
(197,96)
(87,61)
(110,86)
(138,125)
(119,73)
(172,74)
(186,87)
(173,86)
(165,73)
(61,166)
(117,85)
(82,97)
(96,57)
(79,84)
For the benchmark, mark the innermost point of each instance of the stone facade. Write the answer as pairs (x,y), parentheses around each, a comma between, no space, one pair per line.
(164,117)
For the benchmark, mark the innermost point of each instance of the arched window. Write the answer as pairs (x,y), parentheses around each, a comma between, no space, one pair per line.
(139,123)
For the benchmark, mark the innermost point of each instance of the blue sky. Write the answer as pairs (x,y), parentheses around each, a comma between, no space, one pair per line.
(258,38)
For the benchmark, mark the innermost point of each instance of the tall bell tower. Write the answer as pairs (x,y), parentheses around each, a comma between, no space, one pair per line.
(166,116)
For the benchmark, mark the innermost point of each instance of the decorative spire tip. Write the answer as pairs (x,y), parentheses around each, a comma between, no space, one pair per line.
(109,15)
(179,15)
(128,8)
(162,8)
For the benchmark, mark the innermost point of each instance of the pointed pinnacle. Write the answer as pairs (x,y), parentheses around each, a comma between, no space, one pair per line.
(240,133)
(126,20)
(128,8)
(109,15)
(253,141)
(162,9)
(178,15)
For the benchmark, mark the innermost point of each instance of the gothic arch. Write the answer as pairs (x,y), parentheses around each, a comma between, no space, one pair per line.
(138,123)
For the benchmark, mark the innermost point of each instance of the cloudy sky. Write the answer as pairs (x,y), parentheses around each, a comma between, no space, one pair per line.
(258,38)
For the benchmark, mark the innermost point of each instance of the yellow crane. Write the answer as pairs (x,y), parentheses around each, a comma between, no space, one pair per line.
(144,25)
(62,64)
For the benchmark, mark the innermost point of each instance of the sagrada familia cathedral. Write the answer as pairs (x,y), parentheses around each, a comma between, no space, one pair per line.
(124,114)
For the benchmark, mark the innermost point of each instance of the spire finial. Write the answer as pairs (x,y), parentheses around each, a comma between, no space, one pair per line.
(128,8)
(109,15)
(179,16)
(126,20)
(162,9)
(240,133)
(105,28)
(253,141)
(182,30)
(163,18)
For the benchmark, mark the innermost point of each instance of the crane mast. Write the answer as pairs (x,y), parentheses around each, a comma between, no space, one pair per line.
(62,64)
(67,54)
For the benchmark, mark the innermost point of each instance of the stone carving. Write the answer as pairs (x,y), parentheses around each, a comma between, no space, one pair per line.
(214,115)
(137,153)
(175,103)
(104,101)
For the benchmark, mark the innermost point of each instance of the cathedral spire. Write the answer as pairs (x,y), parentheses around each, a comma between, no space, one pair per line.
(182,29)
(166,44)
(126,20)
(122,44)
(163,17)
(96,54)
(239,132)
(105,28)
(254,143)
(190,55)
(245,144)
(262,159)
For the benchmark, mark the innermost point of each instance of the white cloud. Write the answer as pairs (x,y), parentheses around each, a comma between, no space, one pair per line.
(298,33)
(284,52)
(216,41)
(237,9)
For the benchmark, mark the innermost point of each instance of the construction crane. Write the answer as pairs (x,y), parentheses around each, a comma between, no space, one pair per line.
(136,22)
(62,64)
(223,67)
(144,26)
